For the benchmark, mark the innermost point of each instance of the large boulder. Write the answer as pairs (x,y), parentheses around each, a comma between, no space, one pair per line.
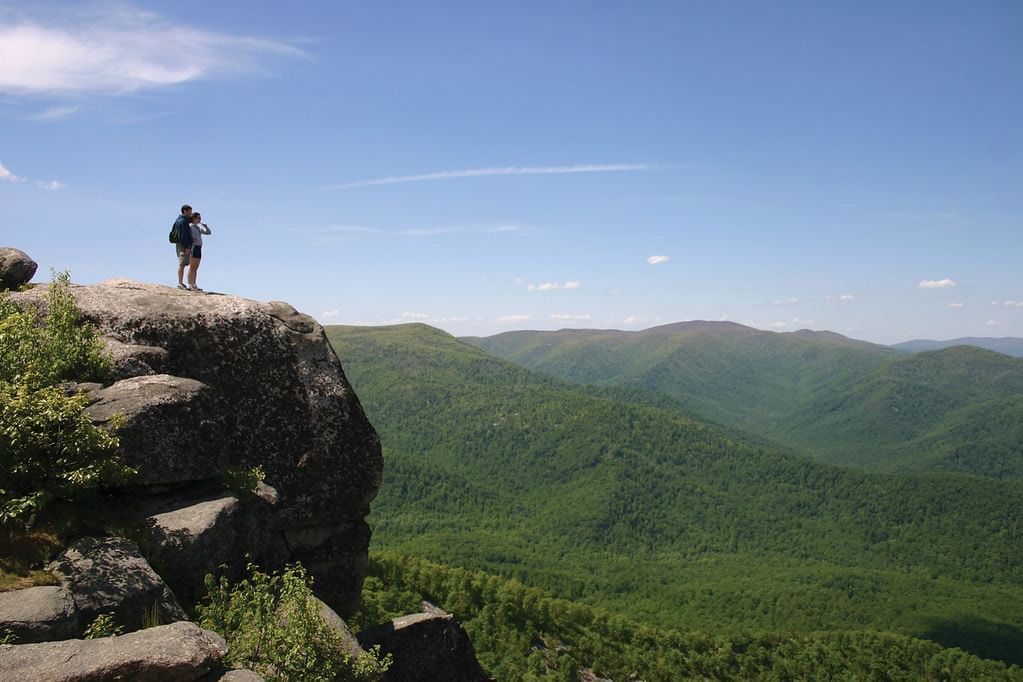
(16,268)
(168,429)
(191,536)
(110,576)
(179,652)
(281,401)
(39,614)
(425,647)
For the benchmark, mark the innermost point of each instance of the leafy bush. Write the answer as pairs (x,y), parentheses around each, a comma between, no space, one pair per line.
(272,625)
(48,448)
(103,626)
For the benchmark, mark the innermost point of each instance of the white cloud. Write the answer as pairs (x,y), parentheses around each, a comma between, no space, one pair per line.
(54,113)
(846,297)
(786,301)
(1008,304)
(635,319)
(330,314)
(502,170)
(415,316)
(514,318)
(7,175)
(936,283)
(657,260)
(955,305)
(116,49)
(52,185)
(571,318)
(554,286)
(994,323)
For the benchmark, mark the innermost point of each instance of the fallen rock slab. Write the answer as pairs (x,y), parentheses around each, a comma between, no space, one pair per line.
(179,652)
(39,614)
(109,575)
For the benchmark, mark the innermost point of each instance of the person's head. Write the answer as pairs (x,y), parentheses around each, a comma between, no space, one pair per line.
(186,210)
(196,217)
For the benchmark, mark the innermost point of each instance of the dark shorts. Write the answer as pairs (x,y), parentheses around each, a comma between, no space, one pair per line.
(197,251)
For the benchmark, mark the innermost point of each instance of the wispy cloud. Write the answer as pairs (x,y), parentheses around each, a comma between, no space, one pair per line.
(54,113)
(114,49)
(501,170)
(955,305)
(1008,304)
(514,318)
(327,233)
(994,323)
(6,174)
(571,318)
(330,314)
(936,284)
(554,286)
(657,260)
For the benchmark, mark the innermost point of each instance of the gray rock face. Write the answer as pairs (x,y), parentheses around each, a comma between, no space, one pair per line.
(426,647)
(16,268)
(109,575)
(278,398)
(38,614)
(170,433)
(239,675)
(169,653)
(195,535)
(133,360)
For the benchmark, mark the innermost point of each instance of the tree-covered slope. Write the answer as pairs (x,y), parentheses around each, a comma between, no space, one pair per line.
(820,394)
(670,520)
(522,633)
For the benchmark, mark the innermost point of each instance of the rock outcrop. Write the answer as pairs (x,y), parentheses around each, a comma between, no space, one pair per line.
(16,268)
(170,653)
(110,576)
(426,647)
(213,382)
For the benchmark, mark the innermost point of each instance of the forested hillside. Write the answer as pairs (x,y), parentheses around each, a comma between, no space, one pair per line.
(816,393)
(669,520)
(522,633)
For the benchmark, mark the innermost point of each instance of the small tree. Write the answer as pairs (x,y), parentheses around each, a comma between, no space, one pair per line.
(49,449)
(272,625)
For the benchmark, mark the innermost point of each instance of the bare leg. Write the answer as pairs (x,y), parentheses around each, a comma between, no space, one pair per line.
(193,269)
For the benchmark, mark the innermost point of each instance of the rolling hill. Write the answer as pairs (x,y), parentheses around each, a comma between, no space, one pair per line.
(816,393)
(672,521)
(1008,345)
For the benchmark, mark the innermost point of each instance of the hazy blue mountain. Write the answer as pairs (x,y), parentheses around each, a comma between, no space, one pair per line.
(1009,345)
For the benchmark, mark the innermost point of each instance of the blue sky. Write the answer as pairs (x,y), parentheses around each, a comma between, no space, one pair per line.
(486,166)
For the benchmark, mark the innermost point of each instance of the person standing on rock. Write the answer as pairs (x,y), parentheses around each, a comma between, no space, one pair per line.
(198,229)
(183,246)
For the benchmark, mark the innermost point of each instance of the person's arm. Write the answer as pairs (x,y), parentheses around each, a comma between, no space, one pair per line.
(206,229)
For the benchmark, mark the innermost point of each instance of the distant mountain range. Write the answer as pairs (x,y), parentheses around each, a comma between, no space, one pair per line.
(820,394)
(1009,345)
(612,496)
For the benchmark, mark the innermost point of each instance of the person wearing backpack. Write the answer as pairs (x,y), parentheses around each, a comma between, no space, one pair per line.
(181,235)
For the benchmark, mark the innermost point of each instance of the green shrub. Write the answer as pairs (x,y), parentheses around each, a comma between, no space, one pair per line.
(48,448)
(103,626)
(272,625)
